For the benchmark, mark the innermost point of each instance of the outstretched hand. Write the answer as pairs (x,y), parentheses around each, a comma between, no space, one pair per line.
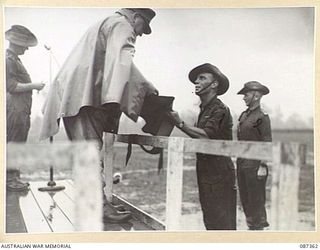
(39,85)
(174,117)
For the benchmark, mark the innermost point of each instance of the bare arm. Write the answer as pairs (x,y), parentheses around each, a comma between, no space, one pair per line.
(14,86)
(194,132)
(191,131)
(25,87)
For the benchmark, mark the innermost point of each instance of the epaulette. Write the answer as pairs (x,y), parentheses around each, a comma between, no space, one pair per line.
(263,112)
(222,105)
(241,115)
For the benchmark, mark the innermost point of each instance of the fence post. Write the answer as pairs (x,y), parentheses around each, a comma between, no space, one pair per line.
(275,175)
(288,158)
(88,195)
(108,164)
(174,183)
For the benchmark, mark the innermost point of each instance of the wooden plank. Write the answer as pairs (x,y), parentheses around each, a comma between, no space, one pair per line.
(243,149)
(108,165)
(26,155)
(14,219)
(174,183)
(292,156)
(148,221)
(87,183)
(52,212)
(288,158)
(275,197)
(33,216)
(70,190)
(65,204)
(156,141)
(139,214)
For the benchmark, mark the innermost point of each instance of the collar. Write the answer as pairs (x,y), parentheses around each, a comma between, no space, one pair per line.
(254,108)
(128,14)
(249,110)
(12,53)
(213,99)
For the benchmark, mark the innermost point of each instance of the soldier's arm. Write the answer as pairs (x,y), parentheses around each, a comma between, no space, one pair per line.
(25,87)
(191,131)
(265,128)
(11,83)
(13,86)
(265,131)
(194,132)
(211,130)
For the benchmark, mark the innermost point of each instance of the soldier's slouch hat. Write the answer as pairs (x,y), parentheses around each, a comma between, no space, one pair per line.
(21,36)
(209,68)
(254,86)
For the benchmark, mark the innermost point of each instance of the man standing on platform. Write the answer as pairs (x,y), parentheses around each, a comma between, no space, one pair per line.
(254,125)
(215,174)
(98,82)
(19,95)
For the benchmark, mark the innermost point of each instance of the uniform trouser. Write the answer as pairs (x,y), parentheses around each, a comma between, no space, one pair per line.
(253,196)
(218,201)
(18,125)
(91,122)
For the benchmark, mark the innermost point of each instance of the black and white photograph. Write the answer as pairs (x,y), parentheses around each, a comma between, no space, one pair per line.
(148,119)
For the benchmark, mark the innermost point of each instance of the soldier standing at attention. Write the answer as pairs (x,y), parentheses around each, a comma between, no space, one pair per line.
(254,125)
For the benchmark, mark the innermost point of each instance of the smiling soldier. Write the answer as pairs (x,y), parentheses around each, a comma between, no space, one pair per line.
(215,174)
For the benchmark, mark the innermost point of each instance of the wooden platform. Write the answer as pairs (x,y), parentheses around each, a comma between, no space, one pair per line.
(41,212)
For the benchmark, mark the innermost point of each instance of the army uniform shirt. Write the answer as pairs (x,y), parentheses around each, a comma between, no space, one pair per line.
(215,173)
(16,73)
(18,104)
(215,119)
(254,125)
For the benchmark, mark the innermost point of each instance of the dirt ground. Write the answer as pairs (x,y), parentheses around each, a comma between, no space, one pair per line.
(143,186)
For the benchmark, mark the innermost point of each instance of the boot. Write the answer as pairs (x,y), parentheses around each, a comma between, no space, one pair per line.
(14,183)
(111,215)
(117,218)
(118,207)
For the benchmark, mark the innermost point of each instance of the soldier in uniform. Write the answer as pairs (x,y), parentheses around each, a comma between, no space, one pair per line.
(19,94)
(215,174)
(254,125)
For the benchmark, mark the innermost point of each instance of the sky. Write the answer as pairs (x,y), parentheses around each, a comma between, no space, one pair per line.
(274,46)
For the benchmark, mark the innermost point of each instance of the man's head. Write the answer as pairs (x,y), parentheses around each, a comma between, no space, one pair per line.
(142,18)
(252,93)
(205,83)
(20,39)
(207,78)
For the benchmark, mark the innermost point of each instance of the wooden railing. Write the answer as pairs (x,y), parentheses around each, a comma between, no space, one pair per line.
(285,158)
